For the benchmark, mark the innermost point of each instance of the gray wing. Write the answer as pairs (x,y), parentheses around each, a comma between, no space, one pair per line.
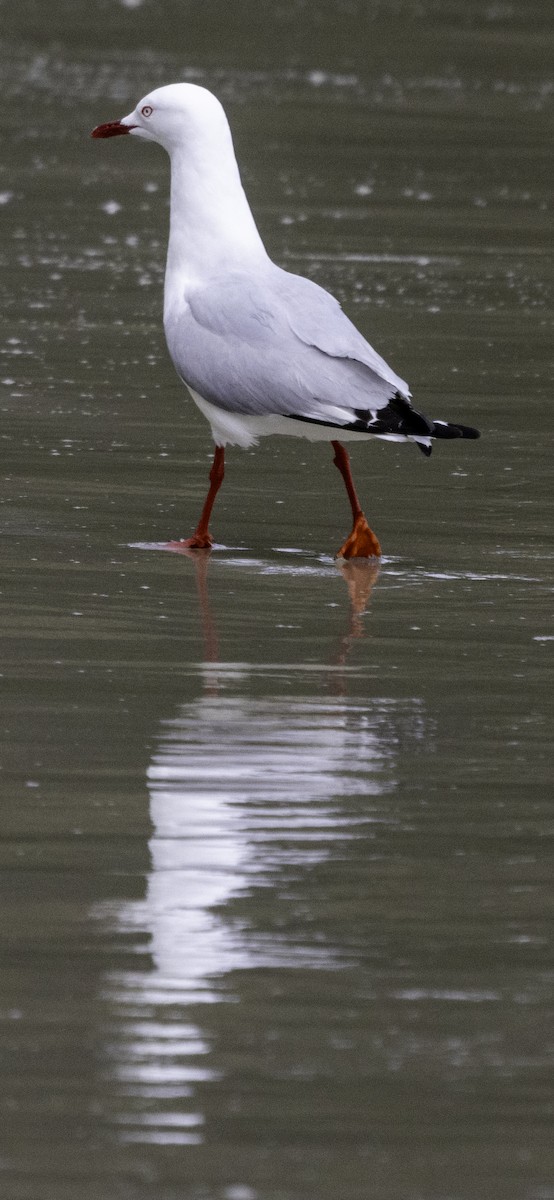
(276,343)
(317,318)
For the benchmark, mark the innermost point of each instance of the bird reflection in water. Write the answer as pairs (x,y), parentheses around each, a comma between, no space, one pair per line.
(253,786)
(360,576)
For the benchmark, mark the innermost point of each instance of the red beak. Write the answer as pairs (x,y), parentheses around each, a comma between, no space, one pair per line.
(112,129)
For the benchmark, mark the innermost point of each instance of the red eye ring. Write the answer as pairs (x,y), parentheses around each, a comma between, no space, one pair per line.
(146,110)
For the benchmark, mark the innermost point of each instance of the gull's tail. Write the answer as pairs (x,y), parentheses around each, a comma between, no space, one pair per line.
(443,429)
(397,419)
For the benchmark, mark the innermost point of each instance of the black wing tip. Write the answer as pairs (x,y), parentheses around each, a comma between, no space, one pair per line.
(445,429)
(397,417)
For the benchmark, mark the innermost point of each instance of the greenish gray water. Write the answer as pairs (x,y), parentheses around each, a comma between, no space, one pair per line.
(275,838)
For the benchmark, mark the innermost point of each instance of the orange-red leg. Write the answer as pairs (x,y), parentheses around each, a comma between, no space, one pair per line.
(202,538)
(362,542)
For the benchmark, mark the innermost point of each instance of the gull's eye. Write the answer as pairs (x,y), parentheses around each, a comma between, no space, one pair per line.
(146,110)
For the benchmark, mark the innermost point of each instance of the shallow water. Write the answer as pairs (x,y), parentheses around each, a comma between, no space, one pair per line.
(276,834)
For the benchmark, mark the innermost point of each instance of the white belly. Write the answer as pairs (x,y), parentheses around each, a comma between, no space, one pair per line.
(243,429)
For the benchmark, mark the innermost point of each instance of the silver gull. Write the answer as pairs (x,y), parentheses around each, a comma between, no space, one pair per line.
(261,350)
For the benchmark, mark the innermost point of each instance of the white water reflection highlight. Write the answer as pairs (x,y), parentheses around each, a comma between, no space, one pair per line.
(250,789)
(247,796)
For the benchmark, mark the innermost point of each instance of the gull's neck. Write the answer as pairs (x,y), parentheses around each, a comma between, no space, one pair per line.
(211,227)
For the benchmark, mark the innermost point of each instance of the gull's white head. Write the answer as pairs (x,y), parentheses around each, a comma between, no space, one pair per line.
(210,218)
(176,116)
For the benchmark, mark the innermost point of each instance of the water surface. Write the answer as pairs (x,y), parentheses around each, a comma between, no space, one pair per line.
(275,836)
